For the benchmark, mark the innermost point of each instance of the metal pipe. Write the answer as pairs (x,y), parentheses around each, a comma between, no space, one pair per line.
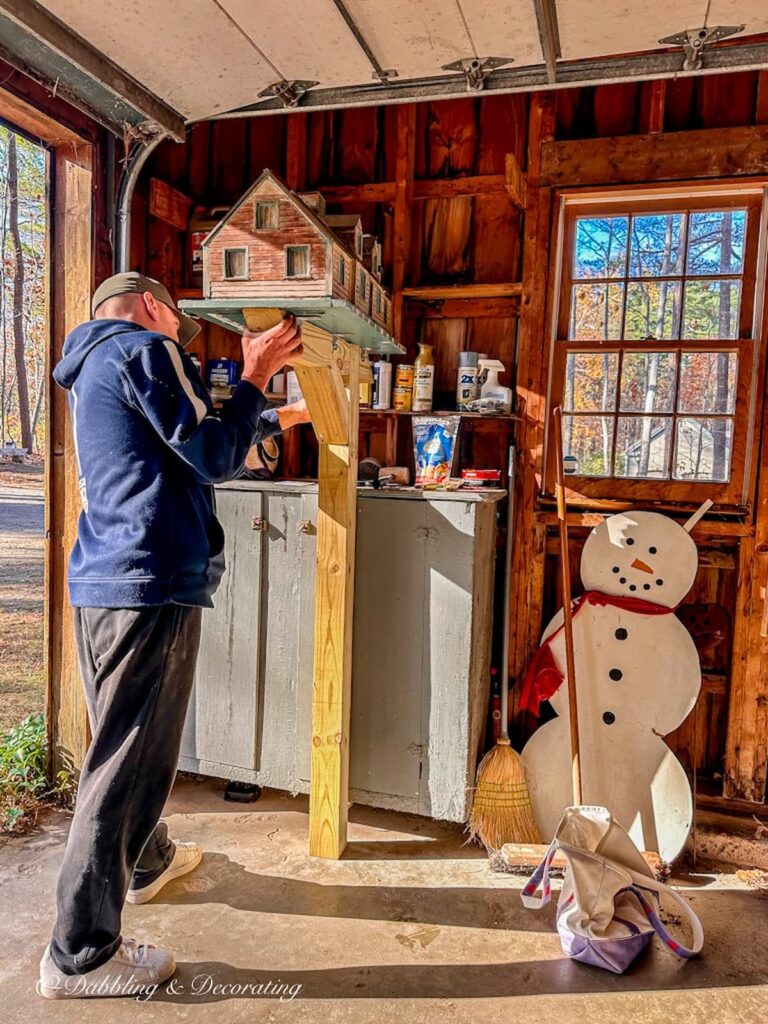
(137,158)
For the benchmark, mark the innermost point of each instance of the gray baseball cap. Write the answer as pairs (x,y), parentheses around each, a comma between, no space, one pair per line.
(133,282)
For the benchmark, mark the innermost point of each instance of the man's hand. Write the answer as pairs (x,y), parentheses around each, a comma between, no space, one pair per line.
(265,353)
(293,414)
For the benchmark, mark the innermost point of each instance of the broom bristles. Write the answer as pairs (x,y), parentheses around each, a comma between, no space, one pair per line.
(501,810)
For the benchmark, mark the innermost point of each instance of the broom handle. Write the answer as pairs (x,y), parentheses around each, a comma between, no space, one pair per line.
(565,568)
(504,675)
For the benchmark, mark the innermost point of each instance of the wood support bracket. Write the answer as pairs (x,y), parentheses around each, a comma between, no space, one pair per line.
(323,368)
(516,181)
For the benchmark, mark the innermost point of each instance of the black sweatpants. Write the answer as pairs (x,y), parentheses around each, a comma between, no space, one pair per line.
(138,667)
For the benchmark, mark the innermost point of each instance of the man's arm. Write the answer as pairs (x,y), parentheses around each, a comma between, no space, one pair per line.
(214,444)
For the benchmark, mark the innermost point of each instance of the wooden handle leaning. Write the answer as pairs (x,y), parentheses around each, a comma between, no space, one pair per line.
(565,568)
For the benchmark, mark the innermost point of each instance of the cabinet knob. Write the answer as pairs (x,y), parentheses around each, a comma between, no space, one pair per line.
(258,523)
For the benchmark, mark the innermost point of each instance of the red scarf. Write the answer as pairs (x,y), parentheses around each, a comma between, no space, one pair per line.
(543,677)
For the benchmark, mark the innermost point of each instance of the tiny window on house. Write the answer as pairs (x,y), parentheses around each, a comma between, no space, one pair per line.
(359,244)
(361,284)
(236,264)
(342,270)
(377,301)
(656,340)
(297,260)
(267,215)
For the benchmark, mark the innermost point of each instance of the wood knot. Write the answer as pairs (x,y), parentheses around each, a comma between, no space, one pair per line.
(316,741)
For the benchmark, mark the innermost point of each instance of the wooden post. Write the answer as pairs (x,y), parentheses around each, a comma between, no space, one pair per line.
(332,687)
(66,710)
(321,370)
(404,165)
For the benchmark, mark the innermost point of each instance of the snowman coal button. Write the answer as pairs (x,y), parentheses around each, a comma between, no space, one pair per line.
(608,717)
(621,633)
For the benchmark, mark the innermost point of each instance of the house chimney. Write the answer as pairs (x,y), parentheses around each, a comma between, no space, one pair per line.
(315,201)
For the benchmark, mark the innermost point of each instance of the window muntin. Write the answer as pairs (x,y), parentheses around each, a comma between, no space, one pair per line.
(654,349)
(236,264)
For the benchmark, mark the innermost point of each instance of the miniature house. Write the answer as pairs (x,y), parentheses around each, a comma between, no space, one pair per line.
(275,243)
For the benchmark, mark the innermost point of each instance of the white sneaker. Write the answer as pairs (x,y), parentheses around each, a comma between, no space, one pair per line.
(136,969)
(185,858)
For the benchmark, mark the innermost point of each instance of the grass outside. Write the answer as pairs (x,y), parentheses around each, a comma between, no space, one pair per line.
(22,684)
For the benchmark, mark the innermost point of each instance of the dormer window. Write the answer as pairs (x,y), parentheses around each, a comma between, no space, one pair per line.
(267,215)
(359,244)
(236,264)
(297,262)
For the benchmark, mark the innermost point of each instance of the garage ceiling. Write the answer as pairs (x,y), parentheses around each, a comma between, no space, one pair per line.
(172,61)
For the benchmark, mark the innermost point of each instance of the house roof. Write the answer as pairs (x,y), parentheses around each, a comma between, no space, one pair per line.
(291,196)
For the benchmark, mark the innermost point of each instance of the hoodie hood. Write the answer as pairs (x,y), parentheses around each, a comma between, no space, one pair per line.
(82,341)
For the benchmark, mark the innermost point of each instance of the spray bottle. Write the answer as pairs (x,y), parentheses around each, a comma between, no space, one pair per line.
(491,388)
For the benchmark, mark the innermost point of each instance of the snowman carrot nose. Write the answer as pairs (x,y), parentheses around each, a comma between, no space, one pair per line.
(637,564)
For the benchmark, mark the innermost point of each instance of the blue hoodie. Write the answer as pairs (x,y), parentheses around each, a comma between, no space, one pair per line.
(149,445)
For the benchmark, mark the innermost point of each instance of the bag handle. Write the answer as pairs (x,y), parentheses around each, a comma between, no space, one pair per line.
(651,885)
(540,877)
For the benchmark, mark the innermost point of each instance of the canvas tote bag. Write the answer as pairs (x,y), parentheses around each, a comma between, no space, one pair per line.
(608,908)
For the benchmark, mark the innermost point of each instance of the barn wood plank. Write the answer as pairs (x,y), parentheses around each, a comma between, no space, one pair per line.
(706,153)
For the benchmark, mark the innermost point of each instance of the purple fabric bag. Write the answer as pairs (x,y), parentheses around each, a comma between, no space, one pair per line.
(608,908)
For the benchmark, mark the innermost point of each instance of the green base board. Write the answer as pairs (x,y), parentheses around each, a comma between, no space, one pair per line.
(334,315)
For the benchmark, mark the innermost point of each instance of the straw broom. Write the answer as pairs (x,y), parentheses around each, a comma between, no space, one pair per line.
(501,810)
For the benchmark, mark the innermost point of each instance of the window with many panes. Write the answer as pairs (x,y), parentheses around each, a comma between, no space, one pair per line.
(655,344)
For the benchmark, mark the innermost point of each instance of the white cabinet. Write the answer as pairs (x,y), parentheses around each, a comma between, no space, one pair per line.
(422,628)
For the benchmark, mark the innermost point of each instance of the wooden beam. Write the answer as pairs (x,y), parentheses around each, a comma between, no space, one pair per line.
(527,572)
(71,270)
(464,291)
(514,180)
(332,686)
(761,105)
(451,188)
(463,309)
(653,103)
(401,230)
(296,151)
(672,156)
(423,188)
(35,122)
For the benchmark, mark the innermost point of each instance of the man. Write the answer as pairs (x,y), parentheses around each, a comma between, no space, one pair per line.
(148,557)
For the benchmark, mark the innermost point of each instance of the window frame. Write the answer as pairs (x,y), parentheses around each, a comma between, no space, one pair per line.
(273,204)
(621,201)
(298,277)
(234,277)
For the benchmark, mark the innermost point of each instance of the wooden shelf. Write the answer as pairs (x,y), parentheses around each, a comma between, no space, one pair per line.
(503,290)
(504,417)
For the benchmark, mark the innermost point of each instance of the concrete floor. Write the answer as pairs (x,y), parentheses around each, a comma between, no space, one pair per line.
(409,922)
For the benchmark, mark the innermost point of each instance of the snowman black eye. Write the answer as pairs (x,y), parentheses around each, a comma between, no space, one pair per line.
(659,583)
(630,540)
(652,551)
(616,568)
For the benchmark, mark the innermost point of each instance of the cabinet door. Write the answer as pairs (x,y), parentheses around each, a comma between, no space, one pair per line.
(451,627)
(389,648)
(306,633)
(280,638)
(222,720)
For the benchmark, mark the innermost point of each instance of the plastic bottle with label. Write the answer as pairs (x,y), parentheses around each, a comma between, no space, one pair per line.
(467,387)
(423,379)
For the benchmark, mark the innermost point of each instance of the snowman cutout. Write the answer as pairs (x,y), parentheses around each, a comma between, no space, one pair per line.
(637,677)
